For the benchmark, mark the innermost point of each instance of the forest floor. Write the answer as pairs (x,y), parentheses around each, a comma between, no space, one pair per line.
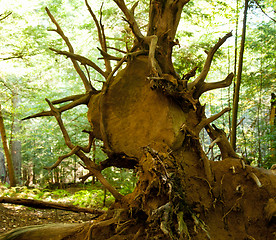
(14,216)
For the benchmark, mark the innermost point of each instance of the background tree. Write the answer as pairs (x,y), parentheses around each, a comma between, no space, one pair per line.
(238,81)
(7,151)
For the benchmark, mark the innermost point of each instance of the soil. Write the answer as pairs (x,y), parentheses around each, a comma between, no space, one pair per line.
(14,216)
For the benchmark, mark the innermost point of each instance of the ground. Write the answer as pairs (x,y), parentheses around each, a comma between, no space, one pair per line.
(14,216)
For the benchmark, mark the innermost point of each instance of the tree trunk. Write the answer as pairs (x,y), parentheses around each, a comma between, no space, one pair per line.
(3,173)
(7,152)
(238,82)
(15,143)
(272,121)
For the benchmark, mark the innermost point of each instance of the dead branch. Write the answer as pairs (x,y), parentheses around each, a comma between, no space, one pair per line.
(49,205)
(84,79)
(154,66)
(108,56)
(2,18)
(190,74)
(91,166)
(130,19)
(116,49)
(214,85)
(219,137)
(101,36)
(83,178)
(82,60)
(84,99)
(69,98)
(207,167)
(110,77)
(264,11)
(200,79)
(74,151)
(207,121)
(182,2)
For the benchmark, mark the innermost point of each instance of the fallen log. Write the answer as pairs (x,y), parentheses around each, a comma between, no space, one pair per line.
(49,205)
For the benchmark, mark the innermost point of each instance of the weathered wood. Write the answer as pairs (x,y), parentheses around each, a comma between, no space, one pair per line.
(49,205)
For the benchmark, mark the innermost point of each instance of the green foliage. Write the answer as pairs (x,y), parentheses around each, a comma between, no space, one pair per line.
(91,197)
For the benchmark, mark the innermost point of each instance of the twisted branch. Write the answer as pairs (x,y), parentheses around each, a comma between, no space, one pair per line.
(91,166)
(58,29)
(101,36)
(74,151)
(219,137)
(214,85)
(200,79)
(130,18)
(82,60)
(84,99)
(207,121)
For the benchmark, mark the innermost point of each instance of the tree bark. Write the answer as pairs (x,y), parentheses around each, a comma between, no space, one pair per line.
(15,143)
(7,152)
(272,121)
(49,205)
(3,173)
(238,82)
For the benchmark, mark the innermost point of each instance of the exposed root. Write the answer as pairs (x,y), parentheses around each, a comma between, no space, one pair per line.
(255,179)
(232,208)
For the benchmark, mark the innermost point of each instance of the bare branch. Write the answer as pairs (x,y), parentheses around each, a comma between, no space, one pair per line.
(69,98)
(108,56)
(182,2)
(152,41)
(74,151)
(207,121)
(82,60)
(264,11)
(101,36)
(79,101)
(2,18)
(84,177)
(214,85)
(190,74)
(130,19)
(198,81)
(133,7)
(219,137)
(91,166)
(116,49)
(110,77)
(85,81)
